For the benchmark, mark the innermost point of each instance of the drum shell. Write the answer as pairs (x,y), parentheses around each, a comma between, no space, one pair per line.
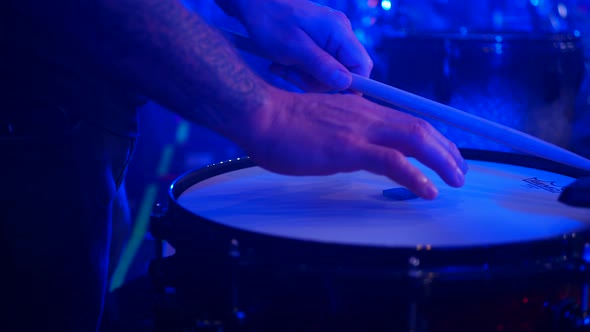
(284,297)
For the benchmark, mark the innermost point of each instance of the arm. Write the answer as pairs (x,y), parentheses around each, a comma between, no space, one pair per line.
(177,60)
(166,51)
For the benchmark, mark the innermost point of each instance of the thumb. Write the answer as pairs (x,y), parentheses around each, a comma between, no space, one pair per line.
(320,65)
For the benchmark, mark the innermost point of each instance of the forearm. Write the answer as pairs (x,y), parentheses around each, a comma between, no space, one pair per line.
(167,52)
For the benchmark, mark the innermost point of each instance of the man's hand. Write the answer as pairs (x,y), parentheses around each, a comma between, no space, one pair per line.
(319,134)
(311,45)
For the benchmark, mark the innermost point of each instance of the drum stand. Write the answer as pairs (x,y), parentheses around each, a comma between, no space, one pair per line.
(180,307)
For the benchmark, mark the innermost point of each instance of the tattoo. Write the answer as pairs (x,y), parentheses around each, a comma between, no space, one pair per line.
(173,56)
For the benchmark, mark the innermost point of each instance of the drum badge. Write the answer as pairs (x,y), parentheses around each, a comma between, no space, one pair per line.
(549,186)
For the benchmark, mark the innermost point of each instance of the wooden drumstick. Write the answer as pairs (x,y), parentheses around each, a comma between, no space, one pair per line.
(513,138)
(404,100)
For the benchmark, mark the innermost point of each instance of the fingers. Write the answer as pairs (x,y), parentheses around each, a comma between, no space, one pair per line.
(394,115)
(354,57)
(303,80)
(417,138)
(453,150)
(349,51)
(320,65)
(446,143)
(394,165)
(338,39)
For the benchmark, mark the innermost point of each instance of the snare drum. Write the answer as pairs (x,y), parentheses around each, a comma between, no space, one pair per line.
(260,251)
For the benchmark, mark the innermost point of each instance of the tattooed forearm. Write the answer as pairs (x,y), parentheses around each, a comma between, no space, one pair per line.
(169,53)
(190,57)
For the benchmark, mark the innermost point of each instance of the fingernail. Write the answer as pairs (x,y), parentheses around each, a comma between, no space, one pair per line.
(429,191)
(340,79)
(459,176)
(464,167)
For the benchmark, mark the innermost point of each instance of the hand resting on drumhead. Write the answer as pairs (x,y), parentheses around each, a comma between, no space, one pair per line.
(311,46)
(318,134)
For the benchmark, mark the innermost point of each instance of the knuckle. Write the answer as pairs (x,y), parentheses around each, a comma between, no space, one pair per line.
(448,161)
(287,46)
(344,143)
(318,62)
(392,158)
(341,19)
(289,42)
(453,147)
(420,130)
(369,64)
(353,154)
(346,140)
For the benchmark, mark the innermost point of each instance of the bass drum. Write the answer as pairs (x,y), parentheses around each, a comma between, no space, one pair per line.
(257,251)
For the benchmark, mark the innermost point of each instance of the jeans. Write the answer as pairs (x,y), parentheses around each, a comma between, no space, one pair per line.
(59,176)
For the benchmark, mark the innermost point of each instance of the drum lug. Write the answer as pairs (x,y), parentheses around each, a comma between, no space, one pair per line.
(159,228)
(234,248)
(162,273)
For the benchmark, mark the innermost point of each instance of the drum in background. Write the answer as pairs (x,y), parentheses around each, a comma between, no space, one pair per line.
(257,251)
(519,63)
(527,81)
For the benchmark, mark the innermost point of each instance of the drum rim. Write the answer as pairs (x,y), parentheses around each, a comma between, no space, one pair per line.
(181,183)
(570,251)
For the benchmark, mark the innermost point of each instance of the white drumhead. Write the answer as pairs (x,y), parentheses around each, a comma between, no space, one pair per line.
(498,204)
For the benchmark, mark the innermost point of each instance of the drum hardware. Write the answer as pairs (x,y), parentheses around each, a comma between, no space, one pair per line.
(577,193)
(175,310)
(169,312)
(159,225)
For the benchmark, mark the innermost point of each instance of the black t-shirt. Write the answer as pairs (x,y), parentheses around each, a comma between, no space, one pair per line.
(38,71)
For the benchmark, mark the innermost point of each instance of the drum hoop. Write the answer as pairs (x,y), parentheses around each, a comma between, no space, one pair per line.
(557,253)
